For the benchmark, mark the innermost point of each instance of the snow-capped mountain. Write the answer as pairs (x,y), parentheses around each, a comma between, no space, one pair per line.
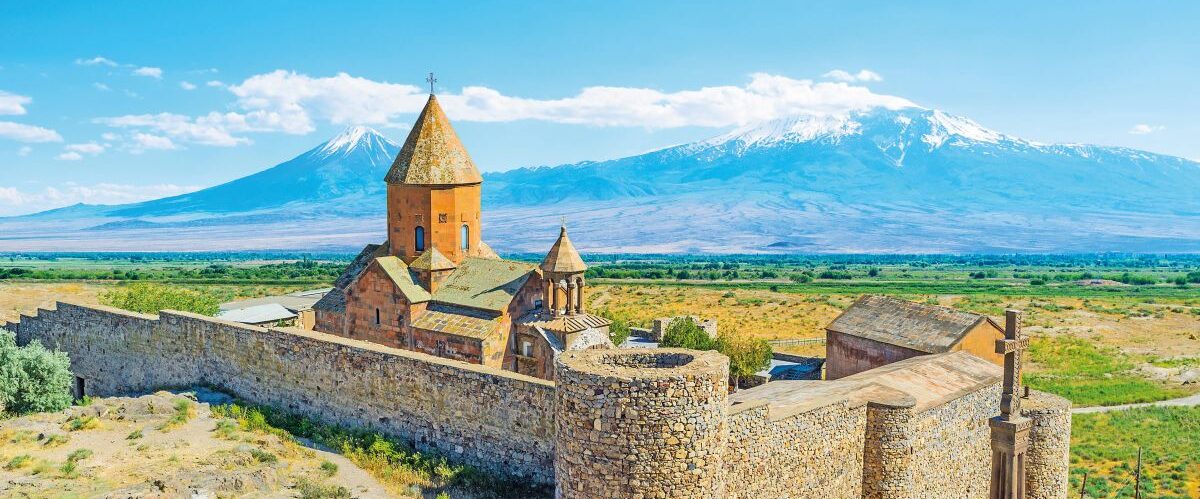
(906,180)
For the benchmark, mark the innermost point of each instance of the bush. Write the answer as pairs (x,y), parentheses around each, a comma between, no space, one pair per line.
(151,298)
(683,332)
(746,355)
(618,331)
(32,378)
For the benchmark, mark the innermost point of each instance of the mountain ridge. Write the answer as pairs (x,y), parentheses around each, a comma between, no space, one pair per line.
(910,179)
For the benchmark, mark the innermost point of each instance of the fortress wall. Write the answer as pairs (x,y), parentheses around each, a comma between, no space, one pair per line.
(954,436)
(817,452)
(482,416)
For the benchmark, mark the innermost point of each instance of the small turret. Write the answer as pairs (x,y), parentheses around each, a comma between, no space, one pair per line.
(563,270)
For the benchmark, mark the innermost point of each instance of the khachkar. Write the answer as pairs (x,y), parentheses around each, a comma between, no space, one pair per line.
(1010,430)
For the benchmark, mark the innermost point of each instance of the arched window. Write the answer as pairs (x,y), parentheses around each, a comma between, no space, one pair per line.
(419,236)
(466,237)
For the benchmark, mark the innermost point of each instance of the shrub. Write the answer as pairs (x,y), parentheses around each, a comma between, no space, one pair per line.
(746,355)
(329,468)
(152,298)
(618,331)
(32,378)
(263,456)
(683,332)
(18,462)
(134,435)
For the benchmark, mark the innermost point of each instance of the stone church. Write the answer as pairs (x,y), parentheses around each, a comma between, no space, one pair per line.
(434,285)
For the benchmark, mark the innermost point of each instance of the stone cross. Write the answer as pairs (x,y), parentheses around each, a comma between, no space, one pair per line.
(1013,347)
(431,81)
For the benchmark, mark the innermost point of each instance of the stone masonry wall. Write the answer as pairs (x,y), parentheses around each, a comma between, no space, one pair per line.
(954,436)
(888,452)
(486,417)
(641,423)
(1047,465)
(816,452)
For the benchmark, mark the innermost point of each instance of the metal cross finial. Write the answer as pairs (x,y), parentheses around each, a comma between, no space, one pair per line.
(431,81)
(1012,346)
(562,220)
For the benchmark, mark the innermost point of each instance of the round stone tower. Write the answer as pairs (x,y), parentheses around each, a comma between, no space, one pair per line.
(640,423)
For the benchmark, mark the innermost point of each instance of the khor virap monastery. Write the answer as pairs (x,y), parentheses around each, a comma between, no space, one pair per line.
(431,338)
(436,287)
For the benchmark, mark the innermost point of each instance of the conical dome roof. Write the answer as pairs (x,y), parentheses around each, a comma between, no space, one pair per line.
(563,257)
(432,153)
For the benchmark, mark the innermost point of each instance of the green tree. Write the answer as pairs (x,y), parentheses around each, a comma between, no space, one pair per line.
(683,332)
(747,356)
(32,378)
(151,298)
(618,331)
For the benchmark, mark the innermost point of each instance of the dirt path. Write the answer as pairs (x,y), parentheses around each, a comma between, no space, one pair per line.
(1192,400)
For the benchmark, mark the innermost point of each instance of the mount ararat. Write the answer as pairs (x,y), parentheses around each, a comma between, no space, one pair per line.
(911,180)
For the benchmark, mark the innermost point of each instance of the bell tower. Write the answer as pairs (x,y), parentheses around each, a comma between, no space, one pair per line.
(563,271)
(433,192)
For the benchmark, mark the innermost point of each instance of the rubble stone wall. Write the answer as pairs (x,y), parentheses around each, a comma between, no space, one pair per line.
(486,417)
(1047,465)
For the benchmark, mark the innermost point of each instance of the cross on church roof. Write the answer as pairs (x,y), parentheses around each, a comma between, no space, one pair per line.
(1013,347)
(431,81)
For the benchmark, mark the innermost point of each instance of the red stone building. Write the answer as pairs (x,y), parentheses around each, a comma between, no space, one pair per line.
(434,286)
(880,330)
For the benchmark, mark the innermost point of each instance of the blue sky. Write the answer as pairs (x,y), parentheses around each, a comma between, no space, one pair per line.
(121,101)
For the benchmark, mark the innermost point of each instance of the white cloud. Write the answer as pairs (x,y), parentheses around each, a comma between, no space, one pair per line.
(14,201)
(1144,129)
(148,71)
(13,103)
(214,83)
(299,100)
(85,148)
(102,87)
(846,76)
(27,133)
(293,103)
(214,129)
(69,156)
(96,61)
(109,136)
(187,85)
(24,151)
(146,142)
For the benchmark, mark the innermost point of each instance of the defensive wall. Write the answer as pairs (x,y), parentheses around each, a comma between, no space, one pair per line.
(646,423)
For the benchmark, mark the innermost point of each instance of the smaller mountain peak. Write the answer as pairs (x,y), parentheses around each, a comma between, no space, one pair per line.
(351,138)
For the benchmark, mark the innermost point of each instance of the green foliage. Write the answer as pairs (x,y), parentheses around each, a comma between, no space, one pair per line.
(151,298)
(80,423)
(1105,446)
(746,355)
(310,489)
(184,410)
(134,435)
(18,462)
(1090,375)
(683,332)
(32,378)
(619,331)
(329,468)
(387,459)
(264,457)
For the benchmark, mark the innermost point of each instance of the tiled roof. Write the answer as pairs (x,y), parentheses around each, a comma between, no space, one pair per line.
(925,328)
(432,260)
(567,324)
(562,256)
(457,321)
(335,299)
(483,283)
(432,153)
(398,272)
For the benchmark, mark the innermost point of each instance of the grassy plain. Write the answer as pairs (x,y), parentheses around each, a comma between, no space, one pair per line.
(1104,328)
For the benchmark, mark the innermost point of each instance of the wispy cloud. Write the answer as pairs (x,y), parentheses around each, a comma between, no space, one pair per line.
(1144,129)
(76,152)
(14,201)
(846,76)
(24,151)
(96,61)
(148,71)
(146,142)
(13,104)
(187,85)
(214,83)
(27,133)
(102,87)
(213,129)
